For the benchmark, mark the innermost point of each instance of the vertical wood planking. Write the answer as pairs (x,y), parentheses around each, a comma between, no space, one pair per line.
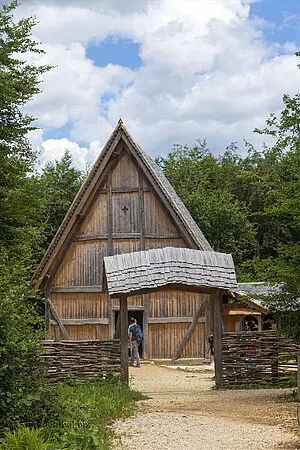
(157,219)
(81,305)
(126,173)
(82,265)
(165,338)
(126,217)
(88,332)
(124,338)
(96,220)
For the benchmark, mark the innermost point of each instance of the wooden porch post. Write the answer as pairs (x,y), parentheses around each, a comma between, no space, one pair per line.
(298,385)
(124,338)
(218,339)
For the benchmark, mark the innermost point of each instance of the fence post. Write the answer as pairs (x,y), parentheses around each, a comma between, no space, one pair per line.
(124,338)
(217,336)
(298,388)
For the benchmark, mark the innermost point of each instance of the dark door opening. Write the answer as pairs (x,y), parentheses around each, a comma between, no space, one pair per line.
(139,316)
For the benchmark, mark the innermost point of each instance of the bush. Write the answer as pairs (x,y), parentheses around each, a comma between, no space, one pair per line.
(25,397)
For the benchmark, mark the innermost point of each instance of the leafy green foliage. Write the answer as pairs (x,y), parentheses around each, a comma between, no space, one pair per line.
(25,396)
(205,185)
(250,206)
(19,82)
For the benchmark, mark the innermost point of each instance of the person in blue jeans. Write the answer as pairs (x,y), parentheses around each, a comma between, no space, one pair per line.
(133,331)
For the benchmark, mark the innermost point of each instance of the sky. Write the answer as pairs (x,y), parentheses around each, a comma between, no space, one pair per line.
(173,70)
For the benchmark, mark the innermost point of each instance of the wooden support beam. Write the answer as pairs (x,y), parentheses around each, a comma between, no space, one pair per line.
(190,329)
(124,190)
(58,320)
(67,289)
(130,308)
(175,319)
(90,321)
(102,237)
(124,338)
(217,333)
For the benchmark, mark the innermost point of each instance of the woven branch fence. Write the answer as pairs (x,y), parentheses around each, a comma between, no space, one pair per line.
(77,359)
(253,357)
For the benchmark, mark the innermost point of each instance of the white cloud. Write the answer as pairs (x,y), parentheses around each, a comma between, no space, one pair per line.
(207,72)
(51,150)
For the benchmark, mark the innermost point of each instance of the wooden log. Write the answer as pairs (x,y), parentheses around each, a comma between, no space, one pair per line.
(190,329)
(124,338)
(217,334)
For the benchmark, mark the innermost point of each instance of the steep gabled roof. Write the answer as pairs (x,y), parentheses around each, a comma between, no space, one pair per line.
(163,185)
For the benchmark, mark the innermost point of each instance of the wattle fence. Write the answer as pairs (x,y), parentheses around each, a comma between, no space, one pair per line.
(77,359)
(258,357)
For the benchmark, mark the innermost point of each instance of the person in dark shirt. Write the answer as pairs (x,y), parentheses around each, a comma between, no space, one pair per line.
(134,343)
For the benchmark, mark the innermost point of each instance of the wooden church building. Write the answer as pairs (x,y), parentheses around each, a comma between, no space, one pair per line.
(126,205)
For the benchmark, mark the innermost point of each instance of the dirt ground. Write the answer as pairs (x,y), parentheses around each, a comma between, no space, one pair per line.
(184,412)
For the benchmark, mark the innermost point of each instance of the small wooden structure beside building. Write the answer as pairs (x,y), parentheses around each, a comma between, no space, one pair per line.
(127,206)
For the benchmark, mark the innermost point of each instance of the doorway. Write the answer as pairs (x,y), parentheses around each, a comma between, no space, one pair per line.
(139,316)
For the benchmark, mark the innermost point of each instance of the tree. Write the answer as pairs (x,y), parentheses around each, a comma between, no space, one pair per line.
(22,392)
(54,189)
(205,184)
(286,266)
(19,82)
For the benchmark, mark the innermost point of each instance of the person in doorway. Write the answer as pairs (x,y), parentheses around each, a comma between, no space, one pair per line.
(134,338)
(211,344)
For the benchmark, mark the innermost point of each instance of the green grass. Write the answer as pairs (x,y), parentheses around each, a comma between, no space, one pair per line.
(25,439)
(90,407)
(86,411)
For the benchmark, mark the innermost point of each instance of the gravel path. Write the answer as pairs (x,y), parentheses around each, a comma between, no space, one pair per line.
(183,412)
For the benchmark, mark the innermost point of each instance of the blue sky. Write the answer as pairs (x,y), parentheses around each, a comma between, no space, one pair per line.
(173,70)
(283,17)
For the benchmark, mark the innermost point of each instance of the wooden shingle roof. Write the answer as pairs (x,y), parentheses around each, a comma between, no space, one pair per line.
(146,270)
(158,179)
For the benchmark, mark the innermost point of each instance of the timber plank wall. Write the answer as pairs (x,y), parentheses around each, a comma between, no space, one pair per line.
(253,357)
(124,214)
